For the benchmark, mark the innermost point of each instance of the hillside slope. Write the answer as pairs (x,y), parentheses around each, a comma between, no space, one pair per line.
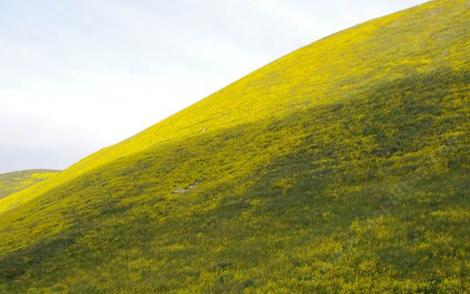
(15,181)
(342,166)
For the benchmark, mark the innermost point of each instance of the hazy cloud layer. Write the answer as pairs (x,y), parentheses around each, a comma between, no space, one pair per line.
(76,76)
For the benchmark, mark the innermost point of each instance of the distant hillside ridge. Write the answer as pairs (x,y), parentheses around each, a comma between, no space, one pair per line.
(12,182)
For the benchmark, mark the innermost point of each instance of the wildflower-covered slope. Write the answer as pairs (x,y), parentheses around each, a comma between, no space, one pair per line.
(16,181)
(342,166)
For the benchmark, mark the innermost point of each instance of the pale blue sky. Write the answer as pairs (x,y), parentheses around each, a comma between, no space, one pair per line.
(78,75)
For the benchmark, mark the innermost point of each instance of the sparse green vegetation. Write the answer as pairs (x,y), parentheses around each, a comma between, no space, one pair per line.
(342,167)
(17,181)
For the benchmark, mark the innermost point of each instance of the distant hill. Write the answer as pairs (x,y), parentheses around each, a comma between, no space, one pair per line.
(341,167)
(19,180)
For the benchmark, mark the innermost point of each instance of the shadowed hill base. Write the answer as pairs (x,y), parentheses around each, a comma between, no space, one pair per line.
(348,173)
(16,181)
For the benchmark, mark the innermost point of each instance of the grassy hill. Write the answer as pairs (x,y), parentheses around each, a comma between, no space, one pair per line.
(342,166)
(19,180)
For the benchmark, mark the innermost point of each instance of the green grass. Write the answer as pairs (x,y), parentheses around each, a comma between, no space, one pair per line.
(341,167)
(15,181)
